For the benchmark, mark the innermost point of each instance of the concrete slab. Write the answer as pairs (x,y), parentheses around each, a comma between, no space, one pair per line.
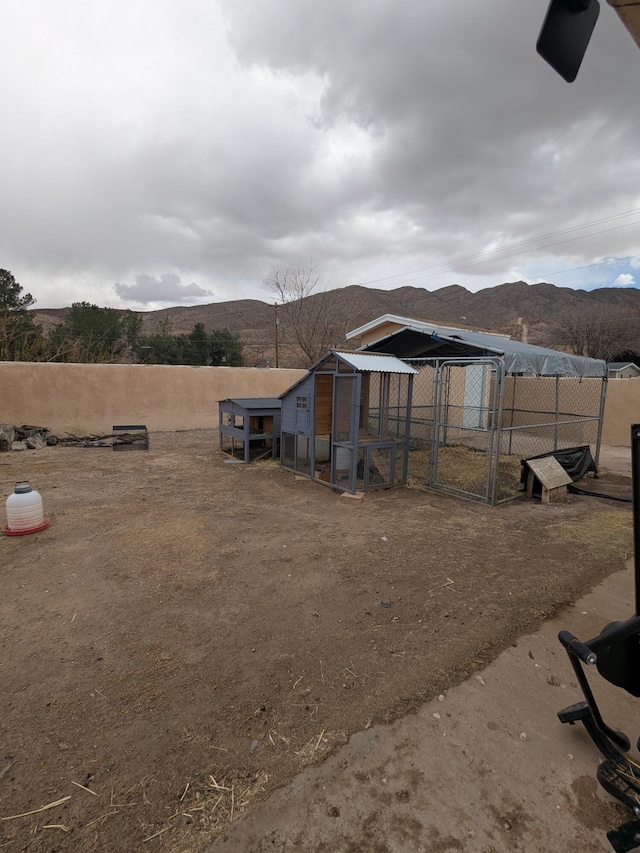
(616,459)
(486,767)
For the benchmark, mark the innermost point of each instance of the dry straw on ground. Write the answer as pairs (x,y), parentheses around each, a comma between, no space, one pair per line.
(464,468)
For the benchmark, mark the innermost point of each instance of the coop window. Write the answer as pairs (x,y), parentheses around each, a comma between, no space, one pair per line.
(302,412)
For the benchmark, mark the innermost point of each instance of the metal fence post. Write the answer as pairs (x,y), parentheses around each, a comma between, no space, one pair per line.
(555,431)
(635,481)
(496,429)
(513,407)
(603,399)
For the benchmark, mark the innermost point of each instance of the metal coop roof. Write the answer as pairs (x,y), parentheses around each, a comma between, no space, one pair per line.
(372,363)
(369,362)
(254,402)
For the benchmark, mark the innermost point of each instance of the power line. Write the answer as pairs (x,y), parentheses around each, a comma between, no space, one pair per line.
(585,267)
(513,254)
(457,264)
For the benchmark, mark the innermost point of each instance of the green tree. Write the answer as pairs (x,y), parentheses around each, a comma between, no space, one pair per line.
(11,296)
(197,349)
(162,347)
(226,348)
(20,337)
(88,334)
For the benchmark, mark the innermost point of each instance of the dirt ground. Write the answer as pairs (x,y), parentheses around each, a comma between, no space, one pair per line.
(188,634)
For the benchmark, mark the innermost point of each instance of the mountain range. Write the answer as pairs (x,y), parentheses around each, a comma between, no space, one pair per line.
(534,313)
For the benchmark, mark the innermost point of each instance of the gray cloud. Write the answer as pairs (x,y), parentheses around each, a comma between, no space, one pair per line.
(375,138)
(473,137)
(165,289)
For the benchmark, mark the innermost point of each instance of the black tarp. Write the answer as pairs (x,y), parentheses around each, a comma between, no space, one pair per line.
(576,461)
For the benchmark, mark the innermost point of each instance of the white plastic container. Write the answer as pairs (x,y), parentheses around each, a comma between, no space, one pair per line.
(343,460)
(322,449)
(24,509)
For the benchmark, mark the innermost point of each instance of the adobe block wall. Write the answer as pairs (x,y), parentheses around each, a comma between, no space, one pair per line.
(91,398)
(621,410)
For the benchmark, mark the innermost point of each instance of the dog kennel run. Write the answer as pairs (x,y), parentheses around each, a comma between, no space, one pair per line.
(482,403)
(346,423)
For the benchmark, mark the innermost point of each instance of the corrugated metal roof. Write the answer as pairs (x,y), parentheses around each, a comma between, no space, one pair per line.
(255,402)
(375,363)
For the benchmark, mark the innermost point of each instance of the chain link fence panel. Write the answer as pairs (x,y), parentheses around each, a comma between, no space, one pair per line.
(471,425)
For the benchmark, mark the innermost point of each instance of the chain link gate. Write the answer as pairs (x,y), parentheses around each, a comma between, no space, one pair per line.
(466,437)
(455,435)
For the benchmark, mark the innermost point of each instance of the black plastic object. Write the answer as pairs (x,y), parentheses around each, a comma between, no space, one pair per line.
(625,837)
(619,660)
(566,33)
(580,650)
(574,490)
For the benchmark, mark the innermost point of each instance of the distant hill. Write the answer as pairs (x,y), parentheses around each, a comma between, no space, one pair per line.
(526,312)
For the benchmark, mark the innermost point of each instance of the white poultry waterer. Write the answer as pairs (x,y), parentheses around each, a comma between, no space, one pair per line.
(25,513)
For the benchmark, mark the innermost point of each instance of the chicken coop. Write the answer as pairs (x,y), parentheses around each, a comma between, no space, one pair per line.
(346,423)
(249,427)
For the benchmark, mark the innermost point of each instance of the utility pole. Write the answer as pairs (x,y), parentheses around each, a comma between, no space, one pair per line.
(276,324)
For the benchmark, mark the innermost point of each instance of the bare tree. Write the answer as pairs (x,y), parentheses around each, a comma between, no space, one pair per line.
(314,318)
(597,331)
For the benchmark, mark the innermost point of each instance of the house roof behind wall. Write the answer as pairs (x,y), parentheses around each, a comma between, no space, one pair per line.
(621,365)
(409,321)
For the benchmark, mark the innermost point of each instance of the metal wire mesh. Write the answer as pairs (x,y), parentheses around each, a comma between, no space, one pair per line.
(541,414)
(471,425)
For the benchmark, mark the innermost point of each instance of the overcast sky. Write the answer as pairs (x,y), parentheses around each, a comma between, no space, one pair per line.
(165,152)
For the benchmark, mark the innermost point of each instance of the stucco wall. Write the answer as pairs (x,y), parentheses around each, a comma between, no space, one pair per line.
(85,398)
(91,398)
(621,410)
